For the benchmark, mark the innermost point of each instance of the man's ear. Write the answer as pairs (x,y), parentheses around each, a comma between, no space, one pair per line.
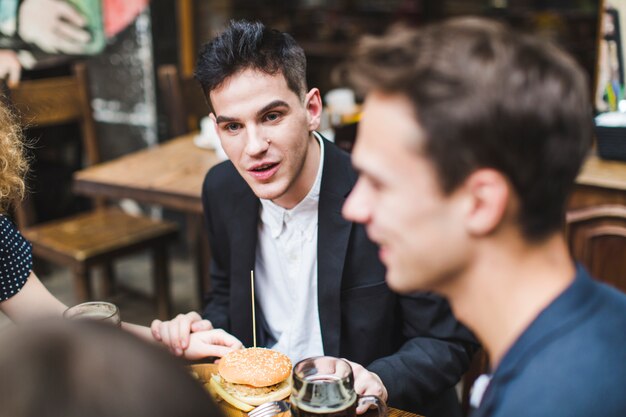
(488,193)
(313,104)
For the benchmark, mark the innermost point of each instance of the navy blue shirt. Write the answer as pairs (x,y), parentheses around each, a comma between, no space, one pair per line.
(16,259)
(571,361)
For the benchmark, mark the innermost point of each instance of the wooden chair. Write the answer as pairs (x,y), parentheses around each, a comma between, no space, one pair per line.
(597,238)
(96,237)
(185,106)
(184,101)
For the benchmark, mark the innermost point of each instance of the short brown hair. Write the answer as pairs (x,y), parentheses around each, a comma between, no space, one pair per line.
(487,96)
(13,162)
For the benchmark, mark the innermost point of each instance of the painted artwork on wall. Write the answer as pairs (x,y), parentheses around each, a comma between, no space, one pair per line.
(113,36)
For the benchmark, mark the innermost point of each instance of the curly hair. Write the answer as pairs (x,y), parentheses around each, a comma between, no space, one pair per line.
(13,161)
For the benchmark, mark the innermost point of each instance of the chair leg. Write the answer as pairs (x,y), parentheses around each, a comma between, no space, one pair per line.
(82,283)
(108,279)
(160,270)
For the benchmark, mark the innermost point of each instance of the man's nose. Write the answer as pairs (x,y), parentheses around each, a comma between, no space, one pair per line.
(357,207)
(257,143)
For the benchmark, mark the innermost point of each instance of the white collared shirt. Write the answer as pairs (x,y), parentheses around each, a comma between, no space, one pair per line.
(286,273)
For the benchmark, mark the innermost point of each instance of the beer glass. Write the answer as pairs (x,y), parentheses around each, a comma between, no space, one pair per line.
(95,310)
(324,386)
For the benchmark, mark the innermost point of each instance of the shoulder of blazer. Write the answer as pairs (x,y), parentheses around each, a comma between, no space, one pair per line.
(338,176)
(223,179)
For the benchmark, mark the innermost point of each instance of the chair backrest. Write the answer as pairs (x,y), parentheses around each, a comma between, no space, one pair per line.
(59,100)
(56,101)
(597,237)
(183,100)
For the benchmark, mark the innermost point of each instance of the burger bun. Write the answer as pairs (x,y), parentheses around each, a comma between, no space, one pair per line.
(250,377)
(257,367)
(247,402)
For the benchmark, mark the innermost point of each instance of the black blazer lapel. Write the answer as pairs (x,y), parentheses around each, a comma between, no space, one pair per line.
(338,178)
(244,239)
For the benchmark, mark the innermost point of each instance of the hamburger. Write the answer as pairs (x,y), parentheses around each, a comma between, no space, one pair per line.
(250,377)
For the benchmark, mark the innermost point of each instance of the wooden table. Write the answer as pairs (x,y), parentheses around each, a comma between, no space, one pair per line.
(600,182)
(169,175)
(204,372)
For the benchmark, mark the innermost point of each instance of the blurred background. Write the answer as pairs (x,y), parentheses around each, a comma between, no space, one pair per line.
(131,40)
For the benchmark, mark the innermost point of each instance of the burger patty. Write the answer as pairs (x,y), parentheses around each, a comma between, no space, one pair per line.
(247,390)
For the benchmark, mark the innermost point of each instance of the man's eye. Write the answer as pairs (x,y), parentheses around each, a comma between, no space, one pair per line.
(233,127)
(272,116)
(374,184)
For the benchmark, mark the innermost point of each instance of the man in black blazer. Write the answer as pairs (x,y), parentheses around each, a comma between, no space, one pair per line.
(409,348)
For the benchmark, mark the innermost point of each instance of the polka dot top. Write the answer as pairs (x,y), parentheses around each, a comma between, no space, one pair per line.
(16,259)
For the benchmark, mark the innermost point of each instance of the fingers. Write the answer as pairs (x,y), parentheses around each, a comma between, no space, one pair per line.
(178,332)
(56,44)
(215,342)
(219,336)
(166,338)
(155,328)
(10,67)
(13,78)
(53,25)
(183,326)
(367,383)
(201,325)
(72,34)
(66,12)
(175,333)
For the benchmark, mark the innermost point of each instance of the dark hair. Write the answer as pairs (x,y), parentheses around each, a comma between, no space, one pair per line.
(77,369)
(250,45)
(487,96)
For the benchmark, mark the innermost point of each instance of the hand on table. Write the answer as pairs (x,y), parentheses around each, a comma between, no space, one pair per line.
(215,342)
(10,67)
(367,383)
(53,25)
(175,333)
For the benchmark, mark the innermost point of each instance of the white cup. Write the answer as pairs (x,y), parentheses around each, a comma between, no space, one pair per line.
(209,138)
(341,101)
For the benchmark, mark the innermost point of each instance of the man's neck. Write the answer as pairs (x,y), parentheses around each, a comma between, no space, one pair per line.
(506,288)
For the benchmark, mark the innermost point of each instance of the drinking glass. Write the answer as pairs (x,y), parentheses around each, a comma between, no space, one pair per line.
(324,386)
(95,310)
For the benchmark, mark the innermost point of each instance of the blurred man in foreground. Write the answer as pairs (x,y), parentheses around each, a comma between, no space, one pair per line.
(470,141)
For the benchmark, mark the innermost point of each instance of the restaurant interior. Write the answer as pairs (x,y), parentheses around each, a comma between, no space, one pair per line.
(133,104)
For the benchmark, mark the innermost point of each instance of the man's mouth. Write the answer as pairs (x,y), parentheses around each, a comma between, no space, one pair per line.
(264,172)
(264,167)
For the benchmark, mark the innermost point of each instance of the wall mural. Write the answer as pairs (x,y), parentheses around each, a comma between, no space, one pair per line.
(114,36)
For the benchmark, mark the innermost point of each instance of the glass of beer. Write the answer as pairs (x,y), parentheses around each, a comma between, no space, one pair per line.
(324,386)
(95,310)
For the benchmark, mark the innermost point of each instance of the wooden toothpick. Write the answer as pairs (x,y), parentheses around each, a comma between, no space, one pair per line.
(253,315)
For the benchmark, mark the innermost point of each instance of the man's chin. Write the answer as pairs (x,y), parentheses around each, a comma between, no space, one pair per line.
(403,283)
(268,191)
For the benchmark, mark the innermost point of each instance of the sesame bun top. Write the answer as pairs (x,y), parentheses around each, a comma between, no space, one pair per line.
(257,367)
